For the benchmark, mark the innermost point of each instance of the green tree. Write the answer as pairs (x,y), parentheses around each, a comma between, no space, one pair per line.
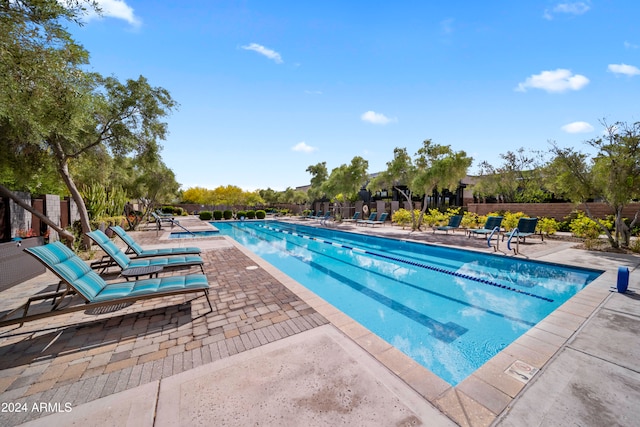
(346,181)
(434,168)
(612,175)
(319,174)
(518,180)
(40,69)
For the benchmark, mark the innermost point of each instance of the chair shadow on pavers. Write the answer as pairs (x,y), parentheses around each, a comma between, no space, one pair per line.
(82,334)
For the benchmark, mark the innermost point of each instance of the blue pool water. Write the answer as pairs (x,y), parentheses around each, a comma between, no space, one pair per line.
(450,310)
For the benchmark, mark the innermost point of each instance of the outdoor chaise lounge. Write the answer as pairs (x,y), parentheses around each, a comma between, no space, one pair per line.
(114,256)
(526,227)
(491,223)
(454,224)
(85,289)
(383,218)
(371,218)
(160,219)
(139,252)
(355,217)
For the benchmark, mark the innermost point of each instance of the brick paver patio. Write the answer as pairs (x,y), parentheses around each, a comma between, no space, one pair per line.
(81,357)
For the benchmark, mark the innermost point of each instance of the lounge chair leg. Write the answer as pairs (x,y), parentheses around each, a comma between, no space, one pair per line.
(206,295)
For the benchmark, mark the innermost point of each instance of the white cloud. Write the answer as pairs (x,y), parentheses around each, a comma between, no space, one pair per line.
(303,147)
(577,127)
(629,45)
(118,9)
(625,69)
(559,80)
(269,53)
(447,26)
(376,118)
(571,8)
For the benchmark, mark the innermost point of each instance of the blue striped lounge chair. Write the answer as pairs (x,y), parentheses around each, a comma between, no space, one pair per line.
(138,252)
(114,256)
(356,216)
(526,227)
(454,224)
(383,218)
(85,289)
(491,223)
(371,218)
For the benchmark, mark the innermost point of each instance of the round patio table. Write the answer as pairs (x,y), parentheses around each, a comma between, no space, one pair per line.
(136,272)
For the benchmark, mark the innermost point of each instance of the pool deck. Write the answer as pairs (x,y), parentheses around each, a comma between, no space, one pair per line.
(274,353)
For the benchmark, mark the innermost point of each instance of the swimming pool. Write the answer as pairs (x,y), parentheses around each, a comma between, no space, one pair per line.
(450,310)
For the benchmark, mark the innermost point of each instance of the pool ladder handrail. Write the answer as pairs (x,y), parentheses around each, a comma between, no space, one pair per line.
(496,247)
(514,232)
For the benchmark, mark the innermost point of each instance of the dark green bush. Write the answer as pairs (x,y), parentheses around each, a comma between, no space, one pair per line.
(241,214)
(206,215)
(217,215)
(251,214)
(261,214)
(227,214)
(167,209)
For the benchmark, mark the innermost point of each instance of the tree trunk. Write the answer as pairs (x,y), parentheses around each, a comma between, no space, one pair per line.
(63,168)
(61,231)
(414,224)
(613,242)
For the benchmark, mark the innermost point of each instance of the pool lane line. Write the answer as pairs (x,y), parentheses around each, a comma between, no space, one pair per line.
(446,332)
(411,285)
(418,264)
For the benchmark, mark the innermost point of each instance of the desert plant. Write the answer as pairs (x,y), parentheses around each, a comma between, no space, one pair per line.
(469,220)
(547,226)
(510,219)
(402,217)
(584,227)
(206,215)
(435,217)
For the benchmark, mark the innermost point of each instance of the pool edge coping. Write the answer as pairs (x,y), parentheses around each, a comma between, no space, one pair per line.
(487,392)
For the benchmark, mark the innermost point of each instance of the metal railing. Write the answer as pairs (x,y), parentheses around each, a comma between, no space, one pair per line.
(515,232)
(497,246)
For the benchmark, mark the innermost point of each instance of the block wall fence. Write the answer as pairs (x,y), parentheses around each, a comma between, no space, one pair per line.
(550,210)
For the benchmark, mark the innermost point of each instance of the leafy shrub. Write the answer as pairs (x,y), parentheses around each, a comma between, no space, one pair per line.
(241,214)
(547,226)
(217,215)
(510,219)
(261,214)
(584,227)
(167,209)
(206,215)
(107,221)
(178,211)
(403,218)
(470,220)
(227,214)
(251,214)
(284,212)
(435,217)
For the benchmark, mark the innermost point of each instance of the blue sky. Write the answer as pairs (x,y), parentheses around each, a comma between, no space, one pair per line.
(267,88)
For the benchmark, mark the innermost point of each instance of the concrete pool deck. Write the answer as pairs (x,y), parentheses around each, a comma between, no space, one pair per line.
(273,353)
